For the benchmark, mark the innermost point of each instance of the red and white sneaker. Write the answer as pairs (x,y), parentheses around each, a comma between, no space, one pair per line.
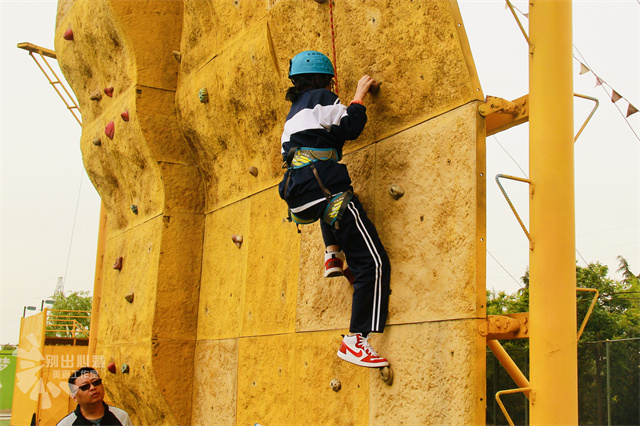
(333,264)
(357,350)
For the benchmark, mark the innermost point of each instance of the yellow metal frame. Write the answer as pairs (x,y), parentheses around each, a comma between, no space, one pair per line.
(498,120)
(513,209)
(552,296)
(593,304)
(593,111)
(55,81)
(513,12)
(501,120)
(97,284)
(509,365)
(510,391)
(505,327)
(56,322)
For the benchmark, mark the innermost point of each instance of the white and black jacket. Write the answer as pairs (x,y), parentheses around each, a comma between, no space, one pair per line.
(112,416)
(317,119)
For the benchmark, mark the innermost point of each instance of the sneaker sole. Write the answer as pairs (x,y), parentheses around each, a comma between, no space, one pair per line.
(356,361)
(333,273)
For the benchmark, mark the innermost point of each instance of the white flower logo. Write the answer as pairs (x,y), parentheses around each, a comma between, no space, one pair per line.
(28,380)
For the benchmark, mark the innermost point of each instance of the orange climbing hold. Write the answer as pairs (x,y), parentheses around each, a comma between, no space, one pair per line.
(125,116)
(109,92)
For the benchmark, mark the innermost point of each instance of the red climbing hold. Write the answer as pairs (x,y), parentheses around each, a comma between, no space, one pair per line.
(68,35)
(109,92)
(125,116)
(110,130)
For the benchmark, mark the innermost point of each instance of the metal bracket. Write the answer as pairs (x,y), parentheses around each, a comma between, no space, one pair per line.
(524,33)
(505,327)
(577,95)
(593,303)
(504,392)
(513,209)
(502,114)
(494,104)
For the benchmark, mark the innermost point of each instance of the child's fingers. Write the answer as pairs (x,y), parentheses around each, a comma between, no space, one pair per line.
(366,80)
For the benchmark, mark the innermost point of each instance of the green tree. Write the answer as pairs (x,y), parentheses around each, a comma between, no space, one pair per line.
(67,309)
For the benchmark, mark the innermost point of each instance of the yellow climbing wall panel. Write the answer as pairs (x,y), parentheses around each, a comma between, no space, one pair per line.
(247,333)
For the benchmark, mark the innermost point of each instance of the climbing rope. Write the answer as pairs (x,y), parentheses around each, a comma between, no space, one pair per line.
(333,44)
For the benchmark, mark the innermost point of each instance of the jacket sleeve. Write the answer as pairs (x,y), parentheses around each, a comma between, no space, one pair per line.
(343,122)
(351,123)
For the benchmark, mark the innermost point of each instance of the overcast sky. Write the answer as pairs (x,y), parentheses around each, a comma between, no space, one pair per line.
(50,210)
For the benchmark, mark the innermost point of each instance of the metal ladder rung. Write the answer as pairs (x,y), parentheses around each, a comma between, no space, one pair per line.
(71,103)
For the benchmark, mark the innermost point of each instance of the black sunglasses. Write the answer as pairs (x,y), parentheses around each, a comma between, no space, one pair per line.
(87,386)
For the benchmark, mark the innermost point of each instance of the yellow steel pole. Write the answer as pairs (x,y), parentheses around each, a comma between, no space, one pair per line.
(97,283)
(552,303)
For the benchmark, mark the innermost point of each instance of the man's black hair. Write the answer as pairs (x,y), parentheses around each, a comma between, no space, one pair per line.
(79,373)
(307,81)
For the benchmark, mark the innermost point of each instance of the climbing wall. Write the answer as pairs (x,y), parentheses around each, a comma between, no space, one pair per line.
(228,319)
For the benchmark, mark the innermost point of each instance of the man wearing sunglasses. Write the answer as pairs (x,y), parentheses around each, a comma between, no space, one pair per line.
(87,390)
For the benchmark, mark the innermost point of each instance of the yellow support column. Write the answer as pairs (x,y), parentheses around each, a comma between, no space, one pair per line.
(97,283)
(552,260)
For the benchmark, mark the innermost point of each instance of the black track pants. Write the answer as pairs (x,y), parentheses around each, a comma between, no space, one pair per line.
(368,260)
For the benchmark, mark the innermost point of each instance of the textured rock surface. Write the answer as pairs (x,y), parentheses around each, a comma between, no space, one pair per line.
(435,387)
(246,334)
(282,379)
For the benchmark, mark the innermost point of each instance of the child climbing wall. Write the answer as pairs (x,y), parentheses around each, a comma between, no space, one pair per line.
(317,186)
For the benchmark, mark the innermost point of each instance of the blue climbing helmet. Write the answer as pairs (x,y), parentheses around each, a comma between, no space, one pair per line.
(310,62)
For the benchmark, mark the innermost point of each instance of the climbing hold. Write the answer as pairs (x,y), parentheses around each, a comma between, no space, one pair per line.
(387,375)
(118,264)
(124,369)
(112,367)
(125,116)
(320,1)
(177,55)
(129,297)
(109,91)
(335,385)
(237,239)
(96,96)
(110,130)
(253,171)
(375,86)
(97,141)
(68,35)
(396,191)
(203,94)
(134,209)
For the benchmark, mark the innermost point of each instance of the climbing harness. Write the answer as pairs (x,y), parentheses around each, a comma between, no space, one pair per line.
(305,157)
(336,207)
